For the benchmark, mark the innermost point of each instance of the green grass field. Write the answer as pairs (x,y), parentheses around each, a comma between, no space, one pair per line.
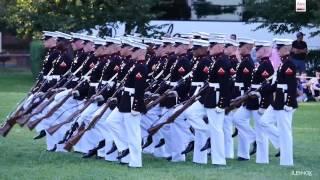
(23,158)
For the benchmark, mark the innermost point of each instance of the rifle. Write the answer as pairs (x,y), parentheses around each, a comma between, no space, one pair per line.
(75,139)
(167,92)
(12,116)
(31,125)
(171,119)
(50,94)
(241,99)
(56,127)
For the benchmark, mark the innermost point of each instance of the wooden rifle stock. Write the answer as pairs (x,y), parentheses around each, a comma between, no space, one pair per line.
(56,127)
(171,119)
(164,95)
(75,139)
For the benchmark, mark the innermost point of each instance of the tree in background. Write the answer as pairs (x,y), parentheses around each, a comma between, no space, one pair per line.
(279,16)
(30,17)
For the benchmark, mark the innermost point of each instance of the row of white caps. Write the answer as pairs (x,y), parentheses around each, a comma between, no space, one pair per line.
(187,38)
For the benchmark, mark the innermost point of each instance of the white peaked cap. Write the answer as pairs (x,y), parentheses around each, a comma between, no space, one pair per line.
(147,40)
(135,38)
(157,41)
(217,39)
(232,42)
(50,33)
(245,40)
(167,40)
(279,41)
(202,35)
(139,45)
(63,35)
(99,41)
(200,42)
(263,43)
(181,40)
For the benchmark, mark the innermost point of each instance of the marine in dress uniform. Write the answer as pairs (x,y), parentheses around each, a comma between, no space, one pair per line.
(124,121)
(244,113)
(195,113)
(230,51)
(87,64)
(217,98)
(262,74)
(283,105)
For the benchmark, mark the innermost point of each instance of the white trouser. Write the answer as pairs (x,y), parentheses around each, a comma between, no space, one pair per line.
(228,131)
(179,137)
(216,136)
(101,128)
(90,139)
(147,121)
(44,124)
(280,136)
(246,134)
(126,133)
(163,133)
(65,111)
(194,115)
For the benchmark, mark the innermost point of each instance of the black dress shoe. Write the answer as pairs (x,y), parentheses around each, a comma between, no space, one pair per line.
(254,149)
(242,159)
(235,133)
(189,148)
(161,143)
(191,130)
(148,143)
(53,149)
(40,135)
(92,152)
(123,154)
(113,149)
(64,138)
(169,158)
(206,146)
(278,154)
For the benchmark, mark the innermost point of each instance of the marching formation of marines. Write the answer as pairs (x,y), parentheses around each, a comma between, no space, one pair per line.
(117,98)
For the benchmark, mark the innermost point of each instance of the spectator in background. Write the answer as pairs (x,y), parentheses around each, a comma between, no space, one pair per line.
(299,53)
(315,85)
(303,89)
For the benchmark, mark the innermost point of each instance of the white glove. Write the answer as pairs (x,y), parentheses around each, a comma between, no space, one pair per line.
(99,98)
(76,93)
(254,93)
(134,113)
(62,89)
(219,110)
(148,93)
(40,94)
(287,108)
(261,111)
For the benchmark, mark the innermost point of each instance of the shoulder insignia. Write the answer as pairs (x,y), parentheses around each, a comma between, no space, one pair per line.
(181,70)
(63,64)
(289,71)
(221,71)
(246,71)
(265,74)
(206,69)
(116,68)
(138,76)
